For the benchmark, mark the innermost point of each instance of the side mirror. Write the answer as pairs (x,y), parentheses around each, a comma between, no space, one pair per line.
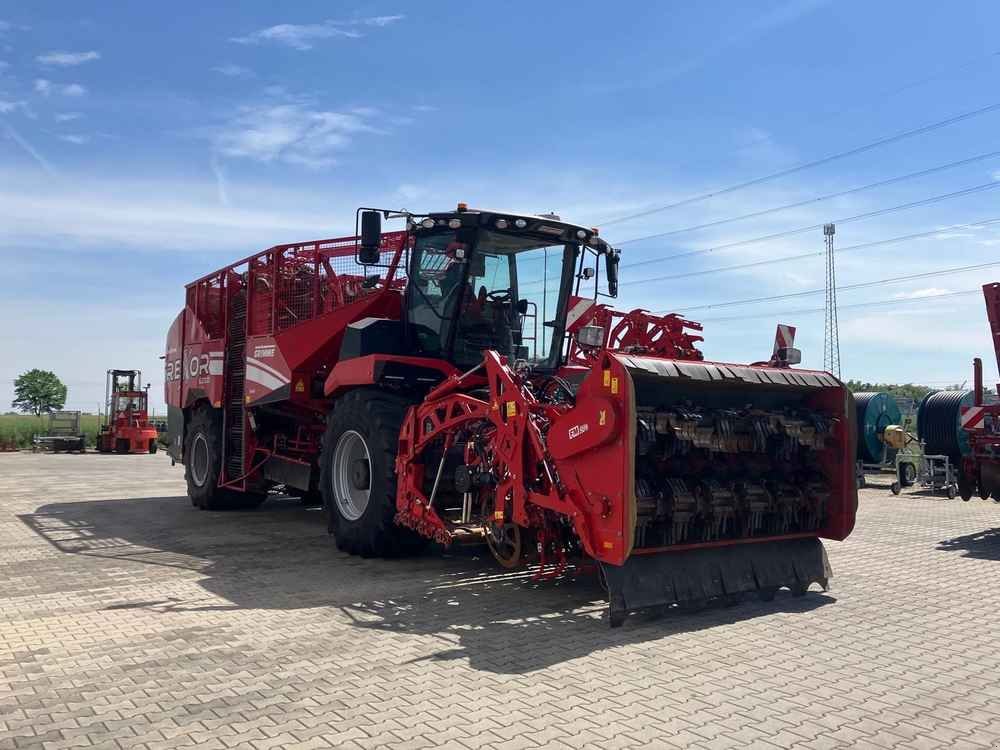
(588,274)
(371,238)
(611,259)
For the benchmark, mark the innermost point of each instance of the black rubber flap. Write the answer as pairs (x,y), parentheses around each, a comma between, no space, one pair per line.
(698,574)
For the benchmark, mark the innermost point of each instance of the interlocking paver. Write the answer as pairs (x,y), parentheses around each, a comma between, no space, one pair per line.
(130,619)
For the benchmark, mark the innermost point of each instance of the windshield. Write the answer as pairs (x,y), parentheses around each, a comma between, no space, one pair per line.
(135,403)
(499,291)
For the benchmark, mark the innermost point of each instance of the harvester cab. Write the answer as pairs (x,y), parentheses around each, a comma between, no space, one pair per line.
(486,280)
(127,428)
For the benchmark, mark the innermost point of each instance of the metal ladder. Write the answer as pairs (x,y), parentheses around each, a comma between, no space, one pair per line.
(234,422)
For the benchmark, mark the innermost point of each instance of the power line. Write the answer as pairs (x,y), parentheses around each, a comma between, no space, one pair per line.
(808,165)
(992,185)
(812,310)
(879,97)
(801,256)
(840,288)
(828,196)
(941,72)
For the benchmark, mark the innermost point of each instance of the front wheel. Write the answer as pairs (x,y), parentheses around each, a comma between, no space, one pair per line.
(358,474)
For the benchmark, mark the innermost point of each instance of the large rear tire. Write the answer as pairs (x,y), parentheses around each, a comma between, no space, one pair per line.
(203,462)
(358,474)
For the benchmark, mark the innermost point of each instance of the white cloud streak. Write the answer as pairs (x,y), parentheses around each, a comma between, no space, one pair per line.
(233,71)
(46,87)
(68,59)
(30,150)
(918,293)
(6,106)
(158,215)
(304,37)
(68,116)
(293,133)
(75,139)
(6,27)
(221,185)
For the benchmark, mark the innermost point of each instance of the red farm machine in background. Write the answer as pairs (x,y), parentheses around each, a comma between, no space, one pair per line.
(127,428)
(459,381)
(980,471)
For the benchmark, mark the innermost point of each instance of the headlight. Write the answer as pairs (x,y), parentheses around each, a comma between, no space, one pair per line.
(580,234)
(427,223)
(502,224)
(454,223)
(520,223)
(592,336)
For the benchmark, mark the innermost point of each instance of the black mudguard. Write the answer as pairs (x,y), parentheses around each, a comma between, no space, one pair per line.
(699,575)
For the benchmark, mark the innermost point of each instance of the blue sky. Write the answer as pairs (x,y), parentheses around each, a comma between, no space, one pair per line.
(144,145)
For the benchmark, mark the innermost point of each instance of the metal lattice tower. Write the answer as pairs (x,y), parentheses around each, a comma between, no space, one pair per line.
(831,334)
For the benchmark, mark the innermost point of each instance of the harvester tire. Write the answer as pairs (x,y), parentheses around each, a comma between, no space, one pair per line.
(358,474)
(203,461)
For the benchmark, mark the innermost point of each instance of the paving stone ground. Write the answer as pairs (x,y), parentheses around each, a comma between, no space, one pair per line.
(129,619)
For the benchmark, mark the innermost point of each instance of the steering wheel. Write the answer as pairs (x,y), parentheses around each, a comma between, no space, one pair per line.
(502,296)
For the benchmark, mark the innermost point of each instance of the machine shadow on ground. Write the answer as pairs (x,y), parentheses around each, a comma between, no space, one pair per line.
(280,557)
(982,545)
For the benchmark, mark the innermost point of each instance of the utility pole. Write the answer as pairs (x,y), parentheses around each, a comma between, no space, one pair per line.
(831,334)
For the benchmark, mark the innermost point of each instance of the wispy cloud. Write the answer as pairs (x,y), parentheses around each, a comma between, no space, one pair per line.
(6,106)
(68,116)
(75,139)
(68,59)
(45,87)
(764,23)
(7,26)
(293,132)
(233,71)
(28,148)
(221,186)
(918,293)
(303,37)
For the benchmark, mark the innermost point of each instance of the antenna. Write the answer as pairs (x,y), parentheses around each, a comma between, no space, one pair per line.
(831,333)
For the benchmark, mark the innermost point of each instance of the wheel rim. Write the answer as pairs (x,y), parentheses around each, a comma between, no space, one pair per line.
(505,544)
(351,475)
(199,460)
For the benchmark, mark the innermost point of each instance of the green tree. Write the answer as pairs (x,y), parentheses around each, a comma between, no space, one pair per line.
(907,390)
(38,392)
